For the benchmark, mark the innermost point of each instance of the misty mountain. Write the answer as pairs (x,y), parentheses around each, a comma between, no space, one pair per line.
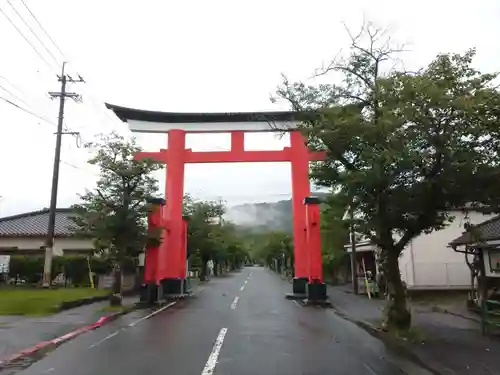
(264,216)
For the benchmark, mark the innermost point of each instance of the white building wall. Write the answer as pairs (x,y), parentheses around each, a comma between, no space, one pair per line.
(60,244)
(428,262)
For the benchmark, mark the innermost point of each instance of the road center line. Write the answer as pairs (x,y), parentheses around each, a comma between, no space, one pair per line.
(243,287)
(104,339)
(212,359)
(133,324)
(233,305)
(152,314)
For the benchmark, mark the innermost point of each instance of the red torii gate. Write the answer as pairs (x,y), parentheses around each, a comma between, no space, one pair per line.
(165,266)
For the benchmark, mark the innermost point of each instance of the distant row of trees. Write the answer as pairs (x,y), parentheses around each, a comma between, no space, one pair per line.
(211,238)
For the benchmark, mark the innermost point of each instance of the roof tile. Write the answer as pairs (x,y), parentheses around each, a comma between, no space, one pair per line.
(32,224)
(487,230)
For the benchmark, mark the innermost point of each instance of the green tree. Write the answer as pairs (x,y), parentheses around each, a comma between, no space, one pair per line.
(114,213)
(334,235)
(204,219)
(276,246)
(404,147)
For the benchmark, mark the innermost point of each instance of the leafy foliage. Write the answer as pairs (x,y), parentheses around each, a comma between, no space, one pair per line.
(334,235)
(114,213)
(274,246)
(404,147)
(209,237)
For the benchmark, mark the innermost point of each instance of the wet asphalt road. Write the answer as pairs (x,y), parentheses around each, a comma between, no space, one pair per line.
(236,325)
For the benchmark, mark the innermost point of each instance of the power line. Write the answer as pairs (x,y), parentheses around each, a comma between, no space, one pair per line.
(47,121)
(33,32)
(42,28)
(79,168)
(28,105)
(26,39)
(27,111)
(99,108)
(14,95)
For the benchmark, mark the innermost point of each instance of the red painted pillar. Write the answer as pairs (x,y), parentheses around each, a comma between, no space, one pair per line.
(170,259)
(316,289)
(300,190)
(151,256)
(313,240)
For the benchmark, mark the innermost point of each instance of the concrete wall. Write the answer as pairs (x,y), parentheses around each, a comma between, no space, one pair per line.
(34,243)
(428,262)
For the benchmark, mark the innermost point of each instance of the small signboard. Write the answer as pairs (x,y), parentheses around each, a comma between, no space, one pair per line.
(494,256)
(106,282)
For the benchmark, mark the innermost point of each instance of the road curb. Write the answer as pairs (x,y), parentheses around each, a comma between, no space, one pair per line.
(396,344)
(52,344)
(463,316)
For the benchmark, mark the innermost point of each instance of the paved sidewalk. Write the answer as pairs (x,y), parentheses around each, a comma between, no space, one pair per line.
(18,332)
(451,344)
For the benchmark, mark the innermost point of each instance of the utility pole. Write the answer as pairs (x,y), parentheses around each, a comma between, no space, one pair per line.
(62,95)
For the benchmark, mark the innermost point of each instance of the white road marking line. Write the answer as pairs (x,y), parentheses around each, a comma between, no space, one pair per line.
(212,359)
(48,370)
(233,305)
(243,287)
(368,367)
(152,314)
(133,324)
(104,339)
(246,281)
(296,303)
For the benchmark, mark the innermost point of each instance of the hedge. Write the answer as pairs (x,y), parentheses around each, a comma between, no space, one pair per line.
(75,267)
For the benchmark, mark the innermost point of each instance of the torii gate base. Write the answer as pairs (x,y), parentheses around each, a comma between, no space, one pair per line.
(312,289)
(168,262)
(155,289)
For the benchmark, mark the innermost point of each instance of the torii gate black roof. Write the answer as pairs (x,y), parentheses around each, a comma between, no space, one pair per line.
(125,113)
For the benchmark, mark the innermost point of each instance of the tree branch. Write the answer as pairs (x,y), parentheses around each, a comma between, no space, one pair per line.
(106,200)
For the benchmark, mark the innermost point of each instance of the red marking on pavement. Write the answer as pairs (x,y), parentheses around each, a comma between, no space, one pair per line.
(55,342)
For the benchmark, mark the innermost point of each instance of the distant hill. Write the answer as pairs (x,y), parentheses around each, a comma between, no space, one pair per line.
(264,216)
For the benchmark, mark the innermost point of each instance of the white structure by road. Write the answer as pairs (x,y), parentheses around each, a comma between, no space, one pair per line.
(428,262)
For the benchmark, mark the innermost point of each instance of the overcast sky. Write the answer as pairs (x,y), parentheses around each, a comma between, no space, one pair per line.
(191,56)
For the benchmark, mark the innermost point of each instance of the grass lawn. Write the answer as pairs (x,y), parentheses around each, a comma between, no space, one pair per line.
(28,301)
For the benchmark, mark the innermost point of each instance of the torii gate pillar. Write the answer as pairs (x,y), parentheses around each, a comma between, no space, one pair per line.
(149,289)
(316,288)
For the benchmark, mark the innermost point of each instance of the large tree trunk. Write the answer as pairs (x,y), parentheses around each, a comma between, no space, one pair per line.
(216,268)
(397,314)
(116,297)
(203,273)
